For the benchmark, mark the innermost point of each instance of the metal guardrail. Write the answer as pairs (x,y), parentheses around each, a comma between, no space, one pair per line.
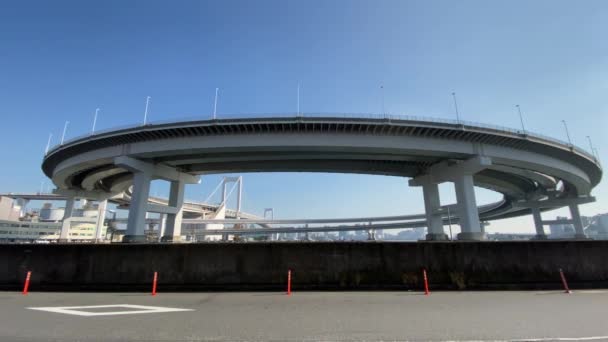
(412,118)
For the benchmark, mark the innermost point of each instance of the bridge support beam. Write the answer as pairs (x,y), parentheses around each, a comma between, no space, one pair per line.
(468,214)
(432,204)
(67,223)
(136,223)
(461,173)
(173,230)
(538,224)
(577,222)
(143,173)
(572,203)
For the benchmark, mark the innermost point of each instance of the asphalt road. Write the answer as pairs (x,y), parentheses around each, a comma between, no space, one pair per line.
(310,316)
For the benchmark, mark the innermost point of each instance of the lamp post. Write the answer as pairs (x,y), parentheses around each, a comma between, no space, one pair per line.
(94,120)
(146,111)
(521,119)
(382,90)
(215,103)
(48,144)
(567,133)
(456,107)
(65,128)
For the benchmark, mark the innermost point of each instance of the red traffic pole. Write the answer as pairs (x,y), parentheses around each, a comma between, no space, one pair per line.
(154,283)
(289,282)
(564,282)
(426,282)
(26,286)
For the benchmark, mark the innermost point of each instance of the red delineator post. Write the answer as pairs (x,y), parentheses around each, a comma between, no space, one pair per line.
(154,283)
(564,282)
(426,282)
(26,286)
(289,282)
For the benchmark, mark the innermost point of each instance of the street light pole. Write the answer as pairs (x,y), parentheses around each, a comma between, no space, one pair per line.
(567,133)
(382,90)
(591,147)
(298,106)
(456,107)
(521,119)
(65,128)
(146,111)
(94,120)
(215,104)
(48,144)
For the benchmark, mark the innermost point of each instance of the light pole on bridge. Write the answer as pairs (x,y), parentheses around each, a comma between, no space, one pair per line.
(567,132)
(456,107)
(521,119)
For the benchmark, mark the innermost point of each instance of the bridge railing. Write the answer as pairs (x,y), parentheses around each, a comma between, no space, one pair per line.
(373,116)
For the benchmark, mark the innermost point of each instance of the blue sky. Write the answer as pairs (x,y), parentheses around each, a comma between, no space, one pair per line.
(60,60)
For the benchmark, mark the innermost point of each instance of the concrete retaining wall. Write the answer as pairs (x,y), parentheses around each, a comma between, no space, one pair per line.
(339,265)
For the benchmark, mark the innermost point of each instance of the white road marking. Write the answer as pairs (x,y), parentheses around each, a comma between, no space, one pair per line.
(590,338)
(137,309)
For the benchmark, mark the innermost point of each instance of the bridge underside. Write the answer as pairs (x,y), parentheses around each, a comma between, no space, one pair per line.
(532,174)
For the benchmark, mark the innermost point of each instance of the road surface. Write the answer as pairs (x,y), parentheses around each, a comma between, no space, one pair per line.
(306,316)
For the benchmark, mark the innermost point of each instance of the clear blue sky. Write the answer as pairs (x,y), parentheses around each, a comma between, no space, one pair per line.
(60,60)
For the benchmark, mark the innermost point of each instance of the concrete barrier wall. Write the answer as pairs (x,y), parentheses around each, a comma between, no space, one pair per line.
(324,265)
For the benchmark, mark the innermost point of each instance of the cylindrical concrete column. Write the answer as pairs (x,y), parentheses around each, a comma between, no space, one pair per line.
(162,225)
(577,222)
(467,209)
(67,215)
(538,224)
(173,231)
(136,223)
(432,204)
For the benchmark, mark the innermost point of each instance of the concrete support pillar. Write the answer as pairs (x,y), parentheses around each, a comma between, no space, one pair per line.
(66,223)
(173,231)
(577,222)
(162,225)
(136,223)
(101,217)
(538,224)
(238,198)
(467,209)
(432,204)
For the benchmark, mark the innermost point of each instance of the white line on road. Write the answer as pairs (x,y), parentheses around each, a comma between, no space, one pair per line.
(137,309)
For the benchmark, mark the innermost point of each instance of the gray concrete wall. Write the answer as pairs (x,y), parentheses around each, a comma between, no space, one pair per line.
(339,265)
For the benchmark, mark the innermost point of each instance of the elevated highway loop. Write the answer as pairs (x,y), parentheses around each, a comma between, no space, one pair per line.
(533,173)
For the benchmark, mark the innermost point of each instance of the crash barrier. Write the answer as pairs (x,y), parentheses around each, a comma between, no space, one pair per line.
(320,265)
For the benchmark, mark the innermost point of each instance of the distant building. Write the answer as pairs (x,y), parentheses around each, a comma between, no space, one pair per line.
(8,210)
(598,227)
(45,225)
(561,231)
